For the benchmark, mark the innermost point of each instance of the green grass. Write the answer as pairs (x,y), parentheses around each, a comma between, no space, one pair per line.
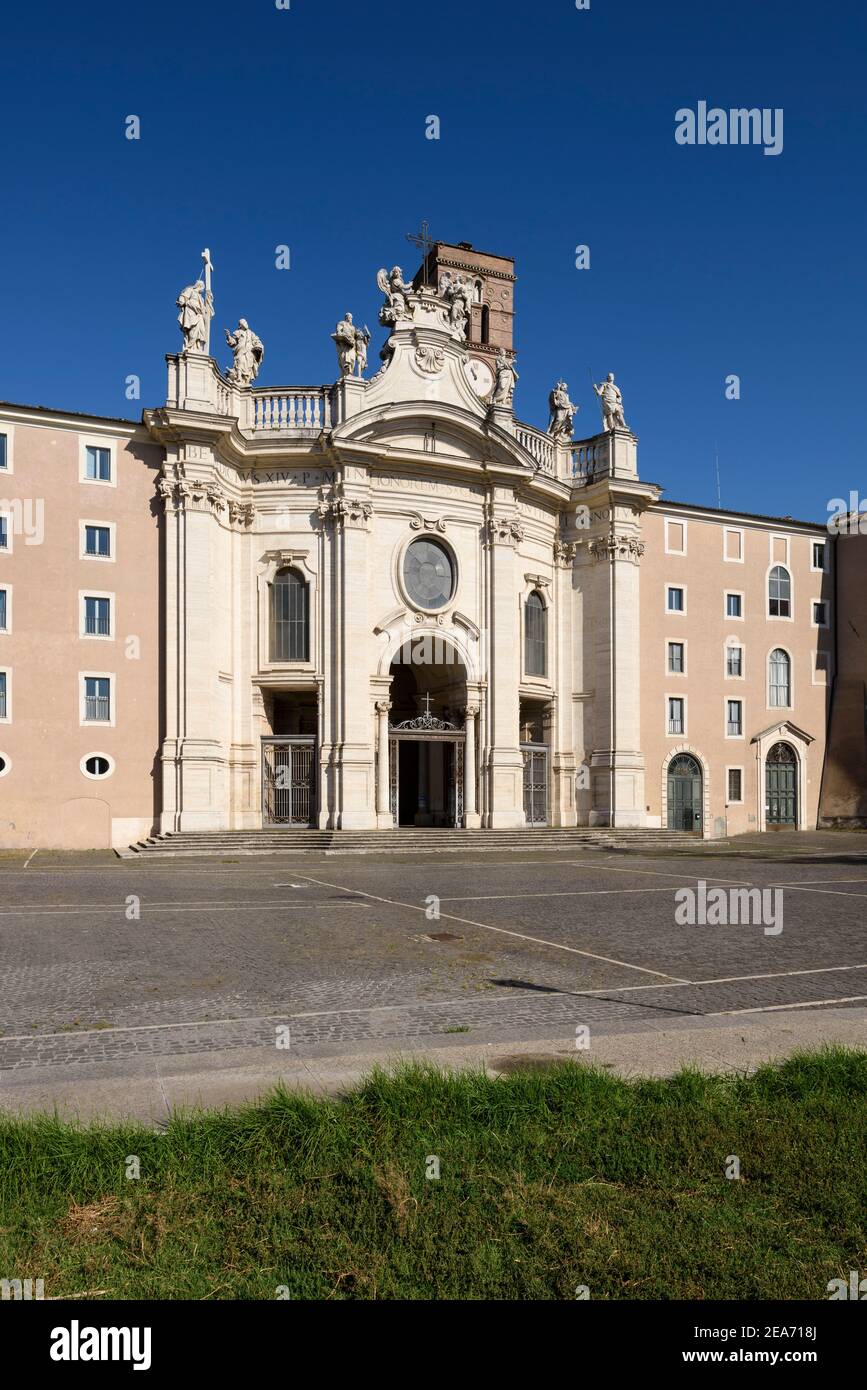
(549,1180)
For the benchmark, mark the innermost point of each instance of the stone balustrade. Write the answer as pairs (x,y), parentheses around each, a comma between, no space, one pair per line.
(287,410)
(539,446)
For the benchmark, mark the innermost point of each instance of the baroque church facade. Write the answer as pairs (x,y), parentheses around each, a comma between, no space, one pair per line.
(388,602)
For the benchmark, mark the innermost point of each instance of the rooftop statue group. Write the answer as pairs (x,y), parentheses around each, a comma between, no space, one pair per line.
(196,305)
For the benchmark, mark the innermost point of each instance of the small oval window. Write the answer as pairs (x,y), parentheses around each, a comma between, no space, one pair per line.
(97,765)
(4,764)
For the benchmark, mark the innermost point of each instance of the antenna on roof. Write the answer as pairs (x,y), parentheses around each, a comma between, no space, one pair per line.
(718,492)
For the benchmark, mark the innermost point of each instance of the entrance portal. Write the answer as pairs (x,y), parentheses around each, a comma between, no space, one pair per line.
(684,793)
(288,781)
(427,782)
(426,735)
(781,788)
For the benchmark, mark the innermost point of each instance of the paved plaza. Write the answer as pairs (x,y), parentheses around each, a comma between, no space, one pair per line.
(123,974)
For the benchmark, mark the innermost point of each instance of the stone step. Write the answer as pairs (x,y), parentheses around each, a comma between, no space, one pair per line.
(275,840)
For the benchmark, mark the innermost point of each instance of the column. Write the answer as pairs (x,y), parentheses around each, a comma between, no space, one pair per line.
(472,820)
(384,818)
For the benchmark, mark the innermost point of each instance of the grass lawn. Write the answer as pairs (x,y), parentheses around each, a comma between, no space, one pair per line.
(548,1180)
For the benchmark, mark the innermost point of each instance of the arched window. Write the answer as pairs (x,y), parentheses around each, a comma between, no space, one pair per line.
(779,593)
(290,617)
(535,636)
(779,679)
(485,325)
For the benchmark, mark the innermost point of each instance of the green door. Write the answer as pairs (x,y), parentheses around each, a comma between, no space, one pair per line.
(684,793)
(781,787)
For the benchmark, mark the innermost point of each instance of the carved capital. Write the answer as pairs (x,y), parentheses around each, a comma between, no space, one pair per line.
(241,513)
(383,706)
(471,712)
(564,552)
(613,547)
(504,530)
(343,511)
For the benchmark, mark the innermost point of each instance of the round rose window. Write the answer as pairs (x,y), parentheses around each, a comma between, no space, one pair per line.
(428,574)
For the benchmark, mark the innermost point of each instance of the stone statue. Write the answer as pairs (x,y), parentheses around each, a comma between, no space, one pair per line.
(507,376)
(395,289)
(351,344)
(460,294)
(195,316)
(612,404)
(248,352)
(562,413)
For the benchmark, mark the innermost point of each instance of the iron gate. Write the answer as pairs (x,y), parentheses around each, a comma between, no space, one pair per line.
(288,781)
(454,773)
(535,760)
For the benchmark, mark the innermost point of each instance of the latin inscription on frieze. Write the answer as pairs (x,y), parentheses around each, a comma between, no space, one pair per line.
(293,477)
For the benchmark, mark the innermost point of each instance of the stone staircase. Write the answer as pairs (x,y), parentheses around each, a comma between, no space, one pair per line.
(291,840)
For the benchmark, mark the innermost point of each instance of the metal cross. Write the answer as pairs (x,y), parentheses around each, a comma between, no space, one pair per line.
(423,239)
(427,705)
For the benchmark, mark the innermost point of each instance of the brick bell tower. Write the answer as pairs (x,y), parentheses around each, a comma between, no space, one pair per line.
(493,312)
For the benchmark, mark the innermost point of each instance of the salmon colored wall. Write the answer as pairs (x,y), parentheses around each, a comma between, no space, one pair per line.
(707,577)
(45,799)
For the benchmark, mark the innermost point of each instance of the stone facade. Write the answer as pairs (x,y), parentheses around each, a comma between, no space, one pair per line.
(389,601)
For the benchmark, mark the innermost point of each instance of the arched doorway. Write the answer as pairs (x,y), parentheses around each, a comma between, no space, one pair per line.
(427,733)
(781,788)
(684,793)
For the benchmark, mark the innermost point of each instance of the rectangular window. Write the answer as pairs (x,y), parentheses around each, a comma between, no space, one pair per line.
(735,788)
(676,658)
(2,610)
(97,540)
(675,537)
(675,715)
(820,614)
(734,662)
(4,533)
(97,617)
(4,451)
(2,694)
(818,555)
(97,464)
(97,699)
(734,718)
(734,607)
(535,637)
(675,599)
(734,546)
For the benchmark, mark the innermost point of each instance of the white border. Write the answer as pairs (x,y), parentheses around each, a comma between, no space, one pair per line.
(9,431)
(681,642)
(97,776)
(823,568)
(778,647)
(681,733)
(111,526)
(110,676)
(109,636)
(7,589)
(826,604)
(674,612)
(8,761)
(7,672)
(735,559)
(96,441)
(776,617)
(733,617)
(734,738)
(677,521)
(730,642)
(735,767)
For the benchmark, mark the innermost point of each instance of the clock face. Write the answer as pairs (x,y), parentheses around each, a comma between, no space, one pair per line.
(480,376)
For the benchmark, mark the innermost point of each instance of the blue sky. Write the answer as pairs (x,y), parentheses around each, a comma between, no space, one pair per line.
(306,127)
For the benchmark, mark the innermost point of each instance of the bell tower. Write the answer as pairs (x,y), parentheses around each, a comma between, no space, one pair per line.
(493,311)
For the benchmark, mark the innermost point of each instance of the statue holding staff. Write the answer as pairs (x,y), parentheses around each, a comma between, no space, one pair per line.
(612,404)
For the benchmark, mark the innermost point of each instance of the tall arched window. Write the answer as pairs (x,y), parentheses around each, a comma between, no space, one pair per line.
(485,325)
(779,680)
(535,636)
(290,617)
(779,593)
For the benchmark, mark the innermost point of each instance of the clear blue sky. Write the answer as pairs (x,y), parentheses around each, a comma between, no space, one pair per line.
(307,127)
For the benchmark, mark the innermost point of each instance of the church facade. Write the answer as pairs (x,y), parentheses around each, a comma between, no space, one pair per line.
(388,602)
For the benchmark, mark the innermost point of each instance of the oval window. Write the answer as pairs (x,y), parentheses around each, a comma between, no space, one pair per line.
(4,765)
(96,765)
(428,574)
